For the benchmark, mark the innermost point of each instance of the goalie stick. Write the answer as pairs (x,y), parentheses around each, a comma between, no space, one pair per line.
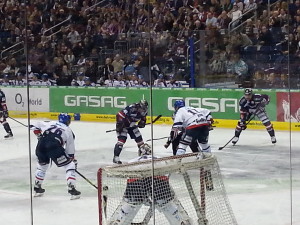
(153,121)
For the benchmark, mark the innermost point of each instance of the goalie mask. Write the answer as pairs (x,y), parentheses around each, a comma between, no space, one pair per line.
(145,149)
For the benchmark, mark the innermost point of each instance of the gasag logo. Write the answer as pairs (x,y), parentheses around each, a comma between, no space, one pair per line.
(95,101)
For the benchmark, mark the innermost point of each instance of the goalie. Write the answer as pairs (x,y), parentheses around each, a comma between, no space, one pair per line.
(139,192)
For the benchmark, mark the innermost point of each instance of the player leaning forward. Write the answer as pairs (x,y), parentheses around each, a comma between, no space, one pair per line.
(55,142)
(195,123)
(126,121)
(253,104)
(139,192)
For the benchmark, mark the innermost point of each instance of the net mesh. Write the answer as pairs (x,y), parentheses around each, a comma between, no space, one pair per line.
(187,183)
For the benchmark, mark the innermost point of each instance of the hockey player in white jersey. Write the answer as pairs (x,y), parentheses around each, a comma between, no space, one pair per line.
(195,123)
(56,143)
(139,191)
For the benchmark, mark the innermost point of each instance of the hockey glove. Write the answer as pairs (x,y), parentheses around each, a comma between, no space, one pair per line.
(141,123)
(167,143)
(38,133)
(264,102)
(5,114)
(174,133)
(120,126)
(242,124)
(76,163)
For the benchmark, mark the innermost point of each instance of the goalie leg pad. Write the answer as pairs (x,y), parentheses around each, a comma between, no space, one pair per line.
(175,213)
(124,214)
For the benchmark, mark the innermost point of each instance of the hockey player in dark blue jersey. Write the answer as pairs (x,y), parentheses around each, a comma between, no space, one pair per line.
(126,124)
(4,116)
(253,104)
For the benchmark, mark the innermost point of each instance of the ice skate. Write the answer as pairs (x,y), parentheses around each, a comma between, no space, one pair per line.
(235,140)
(273,139)
(74,193)
(117,160)
(38,191)
(8,136)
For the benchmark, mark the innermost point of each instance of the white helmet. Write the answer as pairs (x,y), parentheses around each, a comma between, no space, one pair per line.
(145,149)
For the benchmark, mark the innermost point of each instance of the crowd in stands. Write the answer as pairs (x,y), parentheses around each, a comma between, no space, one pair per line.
(131,43)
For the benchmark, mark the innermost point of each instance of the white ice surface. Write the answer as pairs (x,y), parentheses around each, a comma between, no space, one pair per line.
(256,174)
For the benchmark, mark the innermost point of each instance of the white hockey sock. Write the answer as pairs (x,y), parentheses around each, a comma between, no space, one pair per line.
(70,174)
(40,173)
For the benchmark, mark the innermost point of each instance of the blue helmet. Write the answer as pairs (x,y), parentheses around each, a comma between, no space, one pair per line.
(64,118)
(178,104)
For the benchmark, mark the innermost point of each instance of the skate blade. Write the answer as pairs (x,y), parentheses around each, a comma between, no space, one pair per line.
(9,138)
(74,197)
(38,194)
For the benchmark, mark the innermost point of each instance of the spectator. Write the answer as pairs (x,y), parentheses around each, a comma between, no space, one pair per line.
(265,37)
(238,68)
(118,63)
(69,57)
(235,14)
(223,20)
(74,36)
(211,20)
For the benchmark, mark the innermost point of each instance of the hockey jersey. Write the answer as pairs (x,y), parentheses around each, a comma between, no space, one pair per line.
(189,117)
(250,106)
(65,132)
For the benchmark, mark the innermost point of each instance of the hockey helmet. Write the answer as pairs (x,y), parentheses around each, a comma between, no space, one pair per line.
(248,91)
(64,118)
(179,104)
(144,104)
(145,149)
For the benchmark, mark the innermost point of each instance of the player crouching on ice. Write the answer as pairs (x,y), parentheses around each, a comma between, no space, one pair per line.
(253,104)
(55,142)
(195,124)
(139,192)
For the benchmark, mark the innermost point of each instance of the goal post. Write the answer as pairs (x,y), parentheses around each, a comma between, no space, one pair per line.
(169,190)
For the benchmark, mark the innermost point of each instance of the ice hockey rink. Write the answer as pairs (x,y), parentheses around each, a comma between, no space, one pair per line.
(255,172)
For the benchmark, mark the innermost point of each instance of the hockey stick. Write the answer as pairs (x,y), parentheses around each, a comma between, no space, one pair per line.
(18,121)
(157,118)
(86,179)
(254,114)
(155,139)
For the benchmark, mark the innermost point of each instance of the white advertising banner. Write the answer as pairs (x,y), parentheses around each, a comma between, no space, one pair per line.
(17,100)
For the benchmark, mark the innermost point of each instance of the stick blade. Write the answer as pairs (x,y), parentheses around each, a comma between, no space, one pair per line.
(220,148)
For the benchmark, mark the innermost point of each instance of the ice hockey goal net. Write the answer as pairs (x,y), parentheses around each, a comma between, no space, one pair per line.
(195,187)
